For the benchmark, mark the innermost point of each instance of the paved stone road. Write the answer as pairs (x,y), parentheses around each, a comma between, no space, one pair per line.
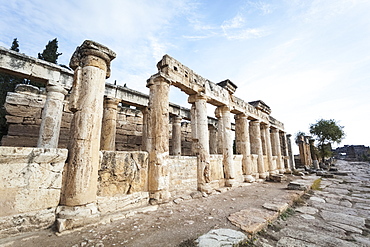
(337,215)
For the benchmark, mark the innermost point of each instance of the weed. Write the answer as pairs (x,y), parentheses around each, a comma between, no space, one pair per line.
(287,213)
(316,184)
(249,242)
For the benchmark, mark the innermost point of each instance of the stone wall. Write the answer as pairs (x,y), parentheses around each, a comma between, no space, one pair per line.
(30,186)
(24,110)
(123,181)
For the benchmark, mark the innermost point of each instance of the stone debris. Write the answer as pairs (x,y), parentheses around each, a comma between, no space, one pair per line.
(281,207)
(336,215)
(296,185)
(221,237)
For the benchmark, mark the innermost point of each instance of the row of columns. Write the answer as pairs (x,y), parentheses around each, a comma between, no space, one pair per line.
(91,64)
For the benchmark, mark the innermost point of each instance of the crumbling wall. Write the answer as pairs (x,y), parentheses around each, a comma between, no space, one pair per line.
(30,186)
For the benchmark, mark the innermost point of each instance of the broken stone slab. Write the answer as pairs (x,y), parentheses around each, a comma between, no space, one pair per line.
(220,237)
(308,217)
(252,220)
(277,207)
(287,241)
(278,177)
(325,174)
(297,186)
(346,219)
(346,227)
(317,199)
(307,210)
(315,237)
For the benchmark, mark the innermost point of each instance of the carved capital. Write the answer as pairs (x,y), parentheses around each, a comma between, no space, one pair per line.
(91,53)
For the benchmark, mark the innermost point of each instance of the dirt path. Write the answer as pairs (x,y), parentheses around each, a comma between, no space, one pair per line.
(169,225)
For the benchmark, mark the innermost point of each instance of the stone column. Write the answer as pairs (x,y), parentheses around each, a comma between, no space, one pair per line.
(213,140)
(271,164)
(201,140)
(285,152)
(277,150)
(290,152)
(176,136)
(145,141)
(91,64)
(158,135)
(315,161)
(223,115)
(193,126)
(256,146)
(109,124)
(51,116)
(243,145)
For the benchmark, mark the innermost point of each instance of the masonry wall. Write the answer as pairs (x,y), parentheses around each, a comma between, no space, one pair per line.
(30,186)
(24,110)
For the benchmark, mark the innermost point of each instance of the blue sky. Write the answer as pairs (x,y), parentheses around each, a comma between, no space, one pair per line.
(306,59)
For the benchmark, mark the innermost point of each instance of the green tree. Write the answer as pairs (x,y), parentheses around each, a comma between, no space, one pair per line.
(15,45)
(326,133)
(50,52)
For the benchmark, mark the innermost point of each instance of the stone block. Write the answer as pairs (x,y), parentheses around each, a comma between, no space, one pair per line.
(31,179)
(122,172)
(23,111)
(23,130)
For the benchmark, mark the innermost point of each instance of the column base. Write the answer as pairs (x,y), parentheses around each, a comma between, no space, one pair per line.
(281,171)
(262,175)
(159,197)
(230,182)
(205,188)
(249,179)
(273,172)
(69,217)
(288,171)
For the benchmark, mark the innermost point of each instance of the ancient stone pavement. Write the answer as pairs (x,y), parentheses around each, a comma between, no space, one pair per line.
(338,214)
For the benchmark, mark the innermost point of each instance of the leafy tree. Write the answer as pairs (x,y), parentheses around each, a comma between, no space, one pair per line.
(326,133)
(50,52)
(15,45)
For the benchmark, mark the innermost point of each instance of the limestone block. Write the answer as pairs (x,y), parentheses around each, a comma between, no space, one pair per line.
(122,173)
(30,179)
(23,110)
(23,130)
(14,119)
(32,100)
(114,204)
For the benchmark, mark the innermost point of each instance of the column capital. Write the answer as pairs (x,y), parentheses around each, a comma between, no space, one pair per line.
(86,54)
(240,116)
(265,125)
(255,122)
(176,119)
(196,97)
(156,79)
(111,102)
(56,88)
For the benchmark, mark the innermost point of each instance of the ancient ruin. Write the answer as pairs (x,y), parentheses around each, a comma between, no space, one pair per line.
(77,153)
